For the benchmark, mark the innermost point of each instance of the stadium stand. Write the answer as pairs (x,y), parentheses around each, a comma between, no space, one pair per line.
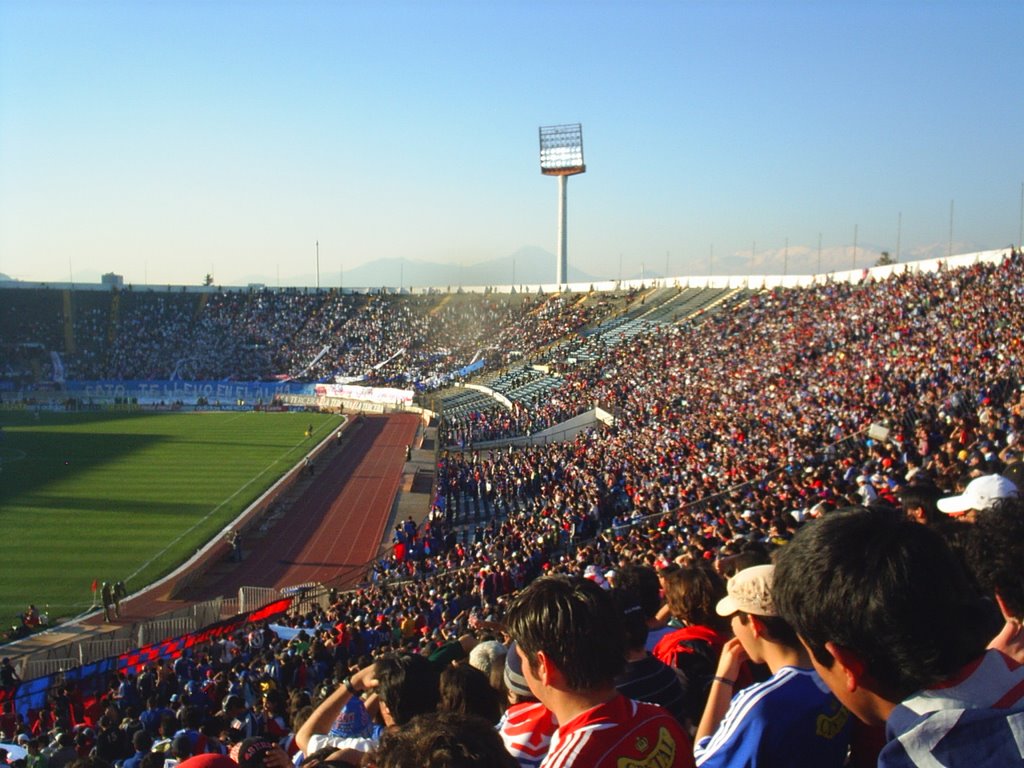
(740,417)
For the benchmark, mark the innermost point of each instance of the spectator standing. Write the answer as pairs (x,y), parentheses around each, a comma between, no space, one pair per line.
(897,632)
(571,646)
(790,719)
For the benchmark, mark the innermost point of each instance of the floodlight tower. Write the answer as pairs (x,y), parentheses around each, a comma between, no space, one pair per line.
(561,155)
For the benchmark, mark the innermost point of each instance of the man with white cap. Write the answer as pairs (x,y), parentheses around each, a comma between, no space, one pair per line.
(981,493)
(790,719)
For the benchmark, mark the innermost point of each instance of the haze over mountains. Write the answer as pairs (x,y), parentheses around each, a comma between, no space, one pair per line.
(532,265)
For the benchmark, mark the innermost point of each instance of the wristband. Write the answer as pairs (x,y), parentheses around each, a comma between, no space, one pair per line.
(347,682)
(724,680)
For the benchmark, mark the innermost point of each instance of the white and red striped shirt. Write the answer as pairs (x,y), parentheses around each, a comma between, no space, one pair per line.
(621,732)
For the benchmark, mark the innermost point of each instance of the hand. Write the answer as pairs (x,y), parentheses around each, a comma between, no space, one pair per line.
(365,678)
(731,659)
(277,758)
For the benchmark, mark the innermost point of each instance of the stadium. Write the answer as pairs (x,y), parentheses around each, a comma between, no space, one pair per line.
(335,432)
(388,469)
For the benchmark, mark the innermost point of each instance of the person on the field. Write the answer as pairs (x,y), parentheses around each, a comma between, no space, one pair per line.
(107,598)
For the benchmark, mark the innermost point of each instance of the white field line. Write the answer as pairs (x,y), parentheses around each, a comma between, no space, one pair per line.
(209,514)
(93,610)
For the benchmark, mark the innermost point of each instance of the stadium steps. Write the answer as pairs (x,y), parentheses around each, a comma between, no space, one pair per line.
(714,302)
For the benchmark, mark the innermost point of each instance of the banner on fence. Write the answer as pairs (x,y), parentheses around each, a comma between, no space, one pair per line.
(186,391)
(383,395)
(30,696)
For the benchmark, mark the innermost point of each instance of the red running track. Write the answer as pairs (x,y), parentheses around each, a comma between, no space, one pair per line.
(331,531)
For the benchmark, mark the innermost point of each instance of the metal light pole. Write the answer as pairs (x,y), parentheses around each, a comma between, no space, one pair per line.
(899,234)
(561,155)
(853,264)
(949,251)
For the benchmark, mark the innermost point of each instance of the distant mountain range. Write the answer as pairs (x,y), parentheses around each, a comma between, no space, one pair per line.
(528,265)
(531,265)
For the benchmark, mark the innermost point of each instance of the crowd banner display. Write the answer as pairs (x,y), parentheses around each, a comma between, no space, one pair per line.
(381,395)
(168,390)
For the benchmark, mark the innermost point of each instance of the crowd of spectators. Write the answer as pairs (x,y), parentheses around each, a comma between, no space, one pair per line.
(734,440)
(500,423)
(417,341)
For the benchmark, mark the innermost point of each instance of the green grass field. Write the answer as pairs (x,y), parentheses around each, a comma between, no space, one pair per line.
(127,495)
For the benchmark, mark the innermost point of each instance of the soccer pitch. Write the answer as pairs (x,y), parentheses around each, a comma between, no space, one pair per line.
(128,496)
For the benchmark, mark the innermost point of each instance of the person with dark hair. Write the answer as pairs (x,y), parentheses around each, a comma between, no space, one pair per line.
(571,644)
(181,748)
(642,582)
(191,721)
(34,757)
(63,751)
(645,678)
(111,742)
(404,685)
(919,503)
(141,743)
(466,690)
(995,552)
(442,740)
(692,594)
(9,679)
(791,718)
(240,720)
(897,632)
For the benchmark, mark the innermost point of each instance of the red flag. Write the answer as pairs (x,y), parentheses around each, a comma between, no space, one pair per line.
(95,585)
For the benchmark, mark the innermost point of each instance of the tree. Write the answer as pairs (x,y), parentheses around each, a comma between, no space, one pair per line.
(208,280)
(885,259)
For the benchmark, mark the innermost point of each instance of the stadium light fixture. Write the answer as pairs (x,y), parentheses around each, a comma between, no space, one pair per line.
(561,155)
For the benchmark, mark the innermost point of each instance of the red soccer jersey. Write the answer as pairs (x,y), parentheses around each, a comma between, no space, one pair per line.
(619,733)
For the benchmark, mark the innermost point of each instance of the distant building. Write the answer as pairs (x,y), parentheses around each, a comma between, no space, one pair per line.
(114,280)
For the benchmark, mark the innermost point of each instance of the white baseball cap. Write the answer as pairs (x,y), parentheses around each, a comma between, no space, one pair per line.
(981,493)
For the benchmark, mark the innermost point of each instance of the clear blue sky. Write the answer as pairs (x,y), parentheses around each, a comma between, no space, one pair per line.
(163,140)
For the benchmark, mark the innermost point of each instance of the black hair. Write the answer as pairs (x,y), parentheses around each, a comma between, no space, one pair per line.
(995,552)
(408,685)
(888,590)
(642,582)
(923,496)
(573,621)
(634,625)
(443,740)
(468,691)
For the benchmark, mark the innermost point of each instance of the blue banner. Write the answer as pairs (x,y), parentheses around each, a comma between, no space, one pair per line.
(151,391)
(471,368)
